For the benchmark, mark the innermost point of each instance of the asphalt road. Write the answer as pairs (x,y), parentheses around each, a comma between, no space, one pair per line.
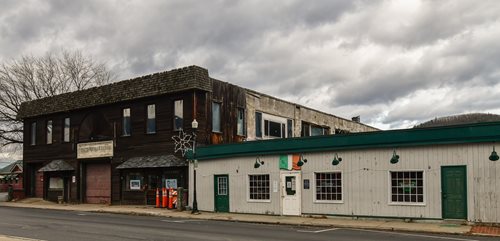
(69,225)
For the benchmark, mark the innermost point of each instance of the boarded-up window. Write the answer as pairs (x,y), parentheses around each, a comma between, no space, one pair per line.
(178,115)
(216,122)
(151,119)
(126,122)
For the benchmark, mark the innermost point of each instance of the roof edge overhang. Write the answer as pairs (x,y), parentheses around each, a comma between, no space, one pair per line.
(459,134)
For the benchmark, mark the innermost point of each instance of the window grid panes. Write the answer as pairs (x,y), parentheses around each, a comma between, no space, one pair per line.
(221,185)
(329,186)
(179,115)
(151,119)
(259,187)
(126,122)
(66,132)
(49,132)
(33,134)
(216,117)
(407,187)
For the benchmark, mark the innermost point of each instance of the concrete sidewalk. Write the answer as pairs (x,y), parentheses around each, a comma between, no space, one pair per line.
(392,225)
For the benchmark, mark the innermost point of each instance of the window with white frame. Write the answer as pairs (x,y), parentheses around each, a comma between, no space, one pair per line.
(66,131)
(259,187)
(309,129)
(270,127)
(328,186)
(407,186)
(151,119)
(49,132)
(216,117)
(179,115)
(126,126)
(240,128)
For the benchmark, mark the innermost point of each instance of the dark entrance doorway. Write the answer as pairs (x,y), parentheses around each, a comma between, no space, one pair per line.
(454,192)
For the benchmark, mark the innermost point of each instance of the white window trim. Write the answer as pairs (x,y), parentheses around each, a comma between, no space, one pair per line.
(389,189)
(328,201)
(248,189)
(273,118)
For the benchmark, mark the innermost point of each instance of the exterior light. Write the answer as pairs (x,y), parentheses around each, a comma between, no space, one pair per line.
(258,163)
(336,159)
(494,156)
(194,124)
(395,157)
(301,161)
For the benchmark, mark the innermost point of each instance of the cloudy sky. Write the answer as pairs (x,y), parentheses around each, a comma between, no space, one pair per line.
(395,63)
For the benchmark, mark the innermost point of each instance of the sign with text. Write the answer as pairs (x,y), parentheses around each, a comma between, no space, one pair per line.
(95,149)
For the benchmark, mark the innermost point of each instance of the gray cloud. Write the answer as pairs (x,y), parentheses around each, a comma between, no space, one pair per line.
(394,62)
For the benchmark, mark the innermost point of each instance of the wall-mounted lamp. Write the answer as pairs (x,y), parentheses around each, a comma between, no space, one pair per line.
(395,157)
(301,161)
(336,160)
(494,156)
(258,163)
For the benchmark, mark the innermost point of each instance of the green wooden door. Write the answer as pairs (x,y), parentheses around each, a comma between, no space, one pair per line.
(221,191)
(454,192)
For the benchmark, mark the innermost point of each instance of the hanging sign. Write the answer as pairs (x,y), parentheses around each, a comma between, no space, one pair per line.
(94,149)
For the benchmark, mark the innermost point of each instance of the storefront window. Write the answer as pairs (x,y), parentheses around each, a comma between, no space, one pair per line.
(134,182)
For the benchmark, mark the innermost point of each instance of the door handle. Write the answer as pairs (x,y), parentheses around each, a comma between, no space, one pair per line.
(445,195)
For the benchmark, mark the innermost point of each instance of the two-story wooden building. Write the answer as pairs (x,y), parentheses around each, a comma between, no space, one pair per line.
(115,143)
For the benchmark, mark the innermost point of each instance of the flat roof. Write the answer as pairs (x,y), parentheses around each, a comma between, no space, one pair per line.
(457,134)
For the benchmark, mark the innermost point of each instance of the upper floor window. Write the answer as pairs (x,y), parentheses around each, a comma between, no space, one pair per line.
(216,117)
(66,130)
(49,132)
(33,134)
(240,128)
(269,126)
(179,115)
(126,122)
(151,119)
(313,130)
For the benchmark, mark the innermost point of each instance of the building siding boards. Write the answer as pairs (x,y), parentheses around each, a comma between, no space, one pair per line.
(366,180)
(96,115)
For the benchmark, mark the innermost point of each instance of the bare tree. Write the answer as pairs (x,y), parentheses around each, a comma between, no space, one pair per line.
(30,78)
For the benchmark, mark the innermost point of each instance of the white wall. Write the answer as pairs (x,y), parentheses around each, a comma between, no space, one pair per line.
(365,175)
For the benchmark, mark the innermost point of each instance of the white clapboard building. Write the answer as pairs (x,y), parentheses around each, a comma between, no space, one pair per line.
(432,173)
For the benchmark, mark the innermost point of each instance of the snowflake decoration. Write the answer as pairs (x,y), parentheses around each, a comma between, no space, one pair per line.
(183,142)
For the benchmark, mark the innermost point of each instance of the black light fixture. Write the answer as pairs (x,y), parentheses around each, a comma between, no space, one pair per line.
(301,161)
(258,163)
(336,159)
(395,157)
(494,156)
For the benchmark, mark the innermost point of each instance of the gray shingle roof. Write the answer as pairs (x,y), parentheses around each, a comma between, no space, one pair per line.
(153,161)
(57,165)
(192,77)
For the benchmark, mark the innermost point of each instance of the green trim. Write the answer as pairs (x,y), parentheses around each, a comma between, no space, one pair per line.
(458,134)
(443,188)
